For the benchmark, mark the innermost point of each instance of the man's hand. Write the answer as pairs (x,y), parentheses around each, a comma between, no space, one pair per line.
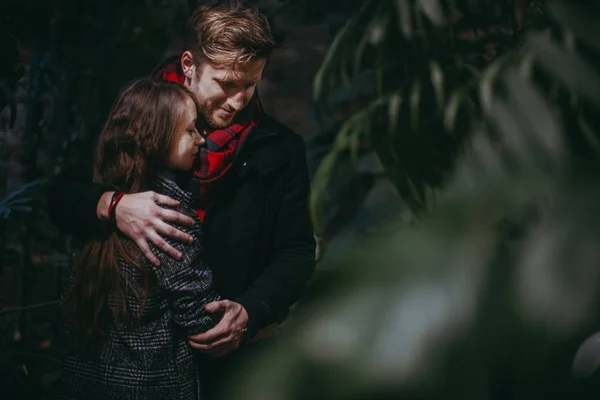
(226,336)
(140,218)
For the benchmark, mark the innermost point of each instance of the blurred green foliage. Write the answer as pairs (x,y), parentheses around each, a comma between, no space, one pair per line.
(489,287)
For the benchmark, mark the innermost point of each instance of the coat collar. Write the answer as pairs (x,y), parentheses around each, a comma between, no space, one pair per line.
(165,184)
(262,152)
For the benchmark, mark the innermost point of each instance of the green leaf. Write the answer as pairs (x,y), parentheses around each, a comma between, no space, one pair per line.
(404,17)
(526,66)
(319,186)
(416,193)
(332,54)
(589,133)
(433,10)
(437,80)
(579,18)
(505,120)
(540,120)
(21,208)
(343,43)
(20,199)
(568,66)
(377,30)
(451,110)
(394,105)
(486,160)
(415,99)
(358,54)
(486,84)
(348,137)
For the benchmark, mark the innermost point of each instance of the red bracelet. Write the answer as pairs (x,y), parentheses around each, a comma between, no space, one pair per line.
(113,204)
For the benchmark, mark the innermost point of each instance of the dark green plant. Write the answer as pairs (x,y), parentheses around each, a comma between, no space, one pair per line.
(403,76)
(489,294)
(63,64)
(20,200)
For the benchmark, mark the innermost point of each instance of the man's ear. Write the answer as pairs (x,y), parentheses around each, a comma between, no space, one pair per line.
(187,65)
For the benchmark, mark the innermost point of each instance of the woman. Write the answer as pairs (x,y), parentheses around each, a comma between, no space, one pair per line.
(129,321)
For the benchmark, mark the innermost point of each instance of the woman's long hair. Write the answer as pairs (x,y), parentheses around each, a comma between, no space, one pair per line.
(131,149)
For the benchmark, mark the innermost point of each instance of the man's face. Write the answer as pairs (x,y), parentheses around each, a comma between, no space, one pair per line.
(222,92)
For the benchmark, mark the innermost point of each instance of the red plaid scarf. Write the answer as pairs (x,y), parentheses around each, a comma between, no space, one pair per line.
(217,156)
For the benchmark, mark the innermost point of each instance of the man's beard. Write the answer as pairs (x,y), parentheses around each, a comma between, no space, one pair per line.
(207,112)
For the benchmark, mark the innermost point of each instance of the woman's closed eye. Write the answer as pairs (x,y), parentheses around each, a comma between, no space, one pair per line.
(192,128)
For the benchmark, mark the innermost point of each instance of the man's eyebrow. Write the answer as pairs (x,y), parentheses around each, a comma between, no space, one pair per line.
(233,80)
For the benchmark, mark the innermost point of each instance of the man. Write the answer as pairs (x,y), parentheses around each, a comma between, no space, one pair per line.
(251,186)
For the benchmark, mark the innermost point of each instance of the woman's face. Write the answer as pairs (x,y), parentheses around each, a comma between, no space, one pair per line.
(187,141)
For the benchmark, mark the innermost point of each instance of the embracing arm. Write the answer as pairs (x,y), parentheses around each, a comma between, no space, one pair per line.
(80,207)
(292,261)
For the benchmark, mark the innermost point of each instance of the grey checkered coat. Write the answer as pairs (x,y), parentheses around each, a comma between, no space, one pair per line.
(152,360)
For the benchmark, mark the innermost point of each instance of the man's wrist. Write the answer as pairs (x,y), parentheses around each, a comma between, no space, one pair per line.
(257,312)
(245,314)
(103,205)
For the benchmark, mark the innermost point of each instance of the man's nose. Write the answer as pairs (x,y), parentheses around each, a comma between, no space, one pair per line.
(199,139)
(236,102)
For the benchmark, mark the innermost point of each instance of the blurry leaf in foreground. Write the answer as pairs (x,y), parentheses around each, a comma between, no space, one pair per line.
(390,328)
(543,127)
(580,18)
(587,358)
(558,273)
(433,10)
(567,66)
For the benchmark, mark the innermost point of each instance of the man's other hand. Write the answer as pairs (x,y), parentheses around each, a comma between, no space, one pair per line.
(226,336)
(140,218)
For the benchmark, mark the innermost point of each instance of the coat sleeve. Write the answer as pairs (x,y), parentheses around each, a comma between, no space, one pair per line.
(188,284)
(73,198)
(292,260)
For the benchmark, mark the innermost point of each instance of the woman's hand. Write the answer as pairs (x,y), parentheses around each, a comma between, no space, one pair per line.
(141,219)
